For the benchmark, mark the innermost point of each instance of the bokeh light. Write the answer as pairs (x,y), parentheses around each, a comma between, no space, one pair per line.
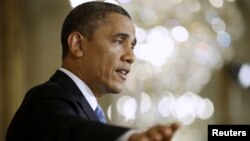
(244,75)
(205,109)
(224,39)
(112,1)
(124,1)
(127,106)
(216,3)
(166,105)
(145,102)
(75,3)
(180,33)
(157,47)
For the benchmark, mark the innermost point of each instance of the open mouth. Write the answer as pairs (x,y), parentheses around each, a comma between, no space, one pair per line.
(123,73)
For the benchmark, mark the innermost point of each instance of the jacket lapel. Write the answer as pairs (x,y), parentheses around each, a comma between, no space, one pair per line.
(67,83)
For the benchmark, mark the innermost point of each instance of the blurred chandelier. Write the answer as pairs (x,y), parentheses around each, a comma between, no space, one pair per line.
(180,44)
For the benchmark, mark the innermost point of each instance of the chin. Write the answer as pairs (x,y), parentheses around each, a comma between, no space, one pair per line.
(115,90)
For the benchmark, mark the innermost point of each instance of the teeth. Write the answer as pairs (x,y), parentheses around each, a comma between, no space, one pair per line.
(123,72)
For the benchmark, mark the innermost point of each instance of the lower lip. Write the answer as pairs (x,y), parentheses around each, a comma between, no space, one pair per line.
(123,76)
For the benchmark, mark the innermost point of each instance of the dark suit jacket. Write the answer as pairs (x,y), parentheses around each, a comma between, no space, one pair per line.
(58,111)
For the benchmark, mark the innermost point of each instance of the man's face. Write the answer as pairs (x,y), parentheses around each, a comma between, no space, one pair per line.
(109,54)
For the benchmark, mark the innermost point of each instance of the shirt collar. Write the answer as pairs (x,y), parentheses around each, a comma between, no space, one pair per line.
(87,93)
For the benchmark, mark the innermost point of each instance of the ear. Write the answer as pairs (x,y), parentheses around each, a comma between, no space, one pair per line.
(75,44)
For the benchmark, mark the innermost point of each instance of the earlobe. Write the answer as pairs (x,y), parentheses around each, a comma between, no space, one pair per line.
(79,54)
(75,45)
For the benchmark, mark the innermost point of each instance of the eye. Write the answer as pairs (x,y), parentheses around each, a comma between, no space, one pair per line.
(133,45)
(118,41)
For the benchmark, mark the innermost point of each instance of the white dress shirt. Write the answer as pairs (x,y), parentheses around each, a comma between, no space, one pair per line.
(88,94)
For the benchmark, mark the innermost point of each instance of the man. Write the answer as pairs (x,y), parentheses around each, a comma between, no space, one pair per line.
(97,42)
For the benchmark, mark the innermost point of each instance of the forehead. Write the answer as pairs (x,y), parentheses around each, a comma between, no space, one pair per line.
(117,23)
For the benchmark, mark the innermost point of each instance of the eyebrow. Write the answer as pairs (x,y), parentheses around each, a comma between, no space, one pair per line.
(124,35)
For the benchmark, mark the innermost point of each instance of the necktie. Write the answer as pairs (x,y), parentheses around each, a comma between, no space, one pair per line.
(100,114)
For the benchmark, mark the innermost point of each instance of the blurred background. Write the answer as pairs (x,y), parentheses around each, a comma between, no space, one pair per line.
(193,62)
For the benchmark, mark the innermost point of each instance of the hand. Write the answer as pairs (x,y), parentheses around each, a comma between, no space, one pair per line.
(156,133)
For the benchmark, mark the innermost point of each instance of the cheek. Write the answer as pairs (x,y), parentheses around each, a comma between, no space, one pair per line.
(107,65)
(106,58)
(107,69)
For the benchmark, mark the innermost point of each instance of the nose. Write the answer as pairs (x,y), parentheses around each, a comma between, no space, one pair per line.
(129,56)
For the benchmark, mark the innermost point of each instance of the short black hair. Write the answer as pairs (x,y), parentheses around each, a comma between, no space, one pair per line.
(86,18)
